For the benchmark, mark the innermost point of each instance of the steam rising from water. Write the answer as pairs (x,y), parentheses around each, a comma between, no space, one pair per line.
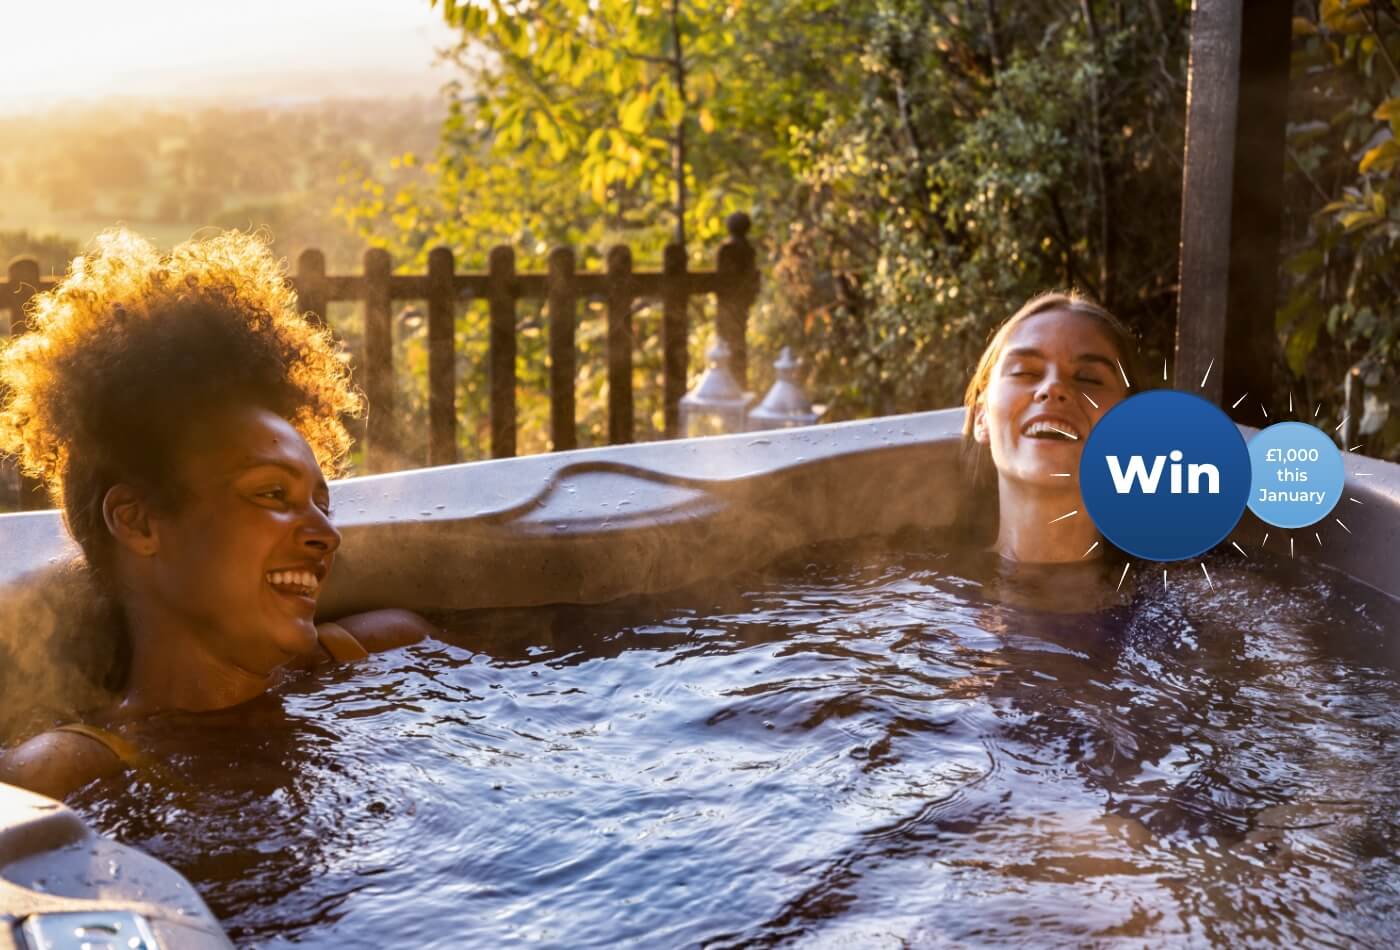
(56,644)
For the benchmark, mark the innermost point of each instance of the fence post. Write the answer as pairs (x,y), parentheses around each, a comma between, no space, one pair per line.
(619,294)
(738,287)
(442,378)
(502,354)
(563,305)
(675,332)
(380,450)
(311,284)
(24,284)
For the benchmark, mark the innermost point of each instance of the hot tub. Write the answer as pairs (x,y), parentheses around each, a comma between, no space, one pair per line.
(820,751)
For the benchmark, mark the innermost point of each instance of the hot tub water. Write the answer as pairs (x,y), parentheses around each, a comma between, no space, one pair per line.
(883,753)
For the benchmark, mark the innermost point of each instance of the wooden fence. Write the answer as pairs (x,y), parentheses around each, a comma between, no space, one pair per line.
(734,283)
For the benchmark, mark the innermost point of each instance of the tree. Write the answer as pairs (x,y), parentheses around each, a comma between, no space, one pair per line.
(1342,219)
(915,168)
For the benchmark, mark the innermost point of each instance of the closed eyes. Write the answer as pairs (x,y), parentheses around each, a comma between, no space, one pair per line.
(1093,381)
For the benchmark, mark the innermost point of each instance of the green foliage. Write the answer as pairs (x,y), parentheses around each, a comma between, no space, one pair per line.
(563,133)
(983,160)
(1342,218)
(915,168)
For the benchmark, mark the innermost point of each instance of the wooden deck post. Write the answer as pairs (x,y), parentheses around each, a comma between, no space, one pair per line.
(675,334)
(24,284)
(1256,208)
(380,450)
(501,265)
(563,362)
(738,288)
(1231,196)
(442,375)
(619,297)
(311,284)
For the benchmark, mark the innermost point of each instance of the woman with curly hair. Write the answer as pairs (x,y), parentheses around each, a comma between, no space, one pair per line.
(1048,375)
(182,411)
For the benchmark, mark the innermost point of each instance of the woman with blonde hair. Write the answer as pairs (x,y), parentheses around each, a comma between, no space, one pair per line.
(1048,375)
(182,411)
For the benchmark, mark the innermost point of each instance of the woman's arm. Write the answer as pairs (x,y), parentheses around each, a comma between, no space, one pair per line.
(57,763)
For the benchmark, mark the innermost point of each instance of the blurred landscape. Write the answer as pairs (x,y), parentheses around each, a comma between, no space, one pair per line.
(168,170)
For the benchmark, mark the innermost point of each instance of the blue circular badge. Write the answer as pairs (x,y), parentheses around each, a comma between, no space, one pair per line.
(1165,475)
(1298,475)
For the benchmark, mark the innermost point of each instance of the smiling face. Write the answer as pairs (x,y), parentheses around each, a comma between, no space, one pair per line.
(242,560)
(1056,376)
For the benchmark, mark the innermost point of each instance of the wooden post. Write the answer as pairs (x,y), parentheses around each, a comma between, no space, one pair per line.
(1237,96)
(24,284)
(380,451)
(675,333)
(737,290)
(1256,207)
(442,378)
(311,284)
(1212,101)
(502,354)
(619,296)
(563,369)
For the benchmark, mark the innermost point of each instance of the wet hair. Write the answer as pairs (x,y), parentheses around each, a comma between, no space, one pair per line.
(135,347)
(979,511)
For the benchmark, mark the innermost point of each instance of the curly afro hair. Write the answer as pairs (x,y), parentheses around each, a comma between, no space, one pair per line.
(135,347)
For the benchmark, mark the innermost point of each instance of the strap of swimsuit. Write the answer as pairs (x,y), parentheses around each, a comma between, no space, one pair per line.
(340,643)
(129,755)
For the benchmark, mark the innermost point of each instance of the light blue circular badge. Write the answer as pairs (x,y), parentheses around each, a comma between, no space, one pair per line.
(1165,475)
(1298,475)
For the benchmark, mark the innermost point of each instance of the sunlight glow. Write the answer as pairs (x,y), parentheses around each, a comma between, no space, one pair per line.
(167,49)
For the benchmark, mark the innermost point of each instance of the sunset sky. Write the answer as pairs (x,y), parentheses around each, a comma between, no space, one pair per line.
(245,49)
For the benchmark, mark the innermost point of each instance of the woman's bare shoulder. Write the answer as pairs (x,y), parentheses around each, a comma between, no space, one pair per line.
(58,762)
(379,630)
